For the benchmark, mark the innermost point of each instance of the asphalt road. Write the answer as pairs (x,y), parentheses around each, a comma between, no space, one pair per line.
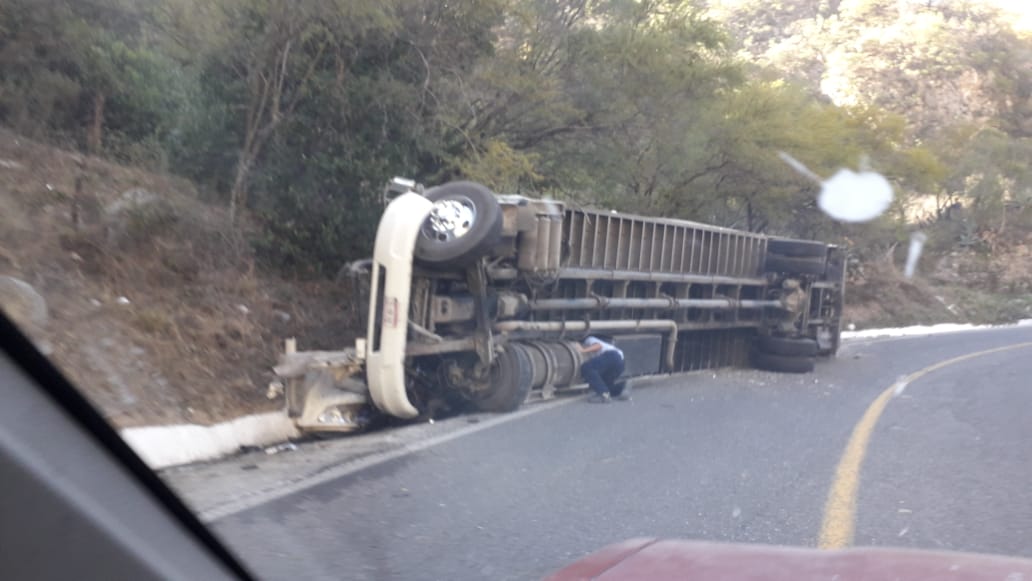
(735,456)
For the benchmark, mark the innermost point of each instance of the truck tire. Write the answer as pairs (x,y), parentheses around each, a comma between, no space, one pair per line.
(797,248)
(793,265)
(782,363)
(465,224)
(510,382)
(791,346)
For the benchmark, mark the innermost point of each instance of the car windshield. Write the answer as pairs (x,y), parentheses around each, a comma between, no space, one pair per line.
(448,289)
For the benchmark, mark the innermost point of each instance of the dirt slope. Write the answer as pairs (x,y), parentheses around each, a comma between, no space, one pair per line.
(961,286)
(153,303)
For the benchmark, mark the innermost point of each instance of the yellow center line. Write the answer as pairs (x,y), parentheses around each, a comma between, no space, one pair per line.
(839,521)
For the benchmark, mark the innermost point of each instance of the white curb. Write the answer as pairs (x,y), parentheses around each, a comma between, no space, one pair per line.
(164,446)
(918,330)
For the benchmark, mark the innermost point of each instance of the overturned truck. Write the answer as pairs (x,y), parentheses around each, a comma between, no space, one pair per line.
(478,299)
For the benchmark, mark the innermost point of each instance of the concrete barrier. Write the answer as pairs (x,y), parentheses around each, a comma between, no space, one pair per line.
(164,446)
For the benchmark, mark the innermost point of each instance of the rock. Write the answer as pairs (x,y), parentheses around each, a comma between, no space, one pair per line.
(122,301)
(132,199)
(137,215)
(22,303)
(10,164)
(275,389)
(45,348)
(285,447)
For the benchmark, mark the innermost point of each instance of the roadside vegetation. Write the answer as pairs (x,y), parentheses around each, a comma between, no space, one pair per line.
(266,129)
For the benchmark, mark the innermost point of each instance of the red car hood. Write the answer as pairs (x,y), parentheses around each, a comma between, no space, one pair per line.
(673,559)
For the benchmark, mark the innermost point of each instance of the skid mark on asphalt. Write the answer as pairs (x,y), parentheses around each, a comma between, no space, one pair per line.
(839,522)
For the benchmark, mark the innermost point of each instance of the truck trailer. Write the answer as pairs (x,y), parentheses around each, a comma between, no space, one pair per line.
(479,300)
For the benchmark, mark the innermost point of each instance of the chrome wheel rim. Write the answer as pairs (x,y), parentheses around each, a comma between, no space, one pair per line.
(450,219)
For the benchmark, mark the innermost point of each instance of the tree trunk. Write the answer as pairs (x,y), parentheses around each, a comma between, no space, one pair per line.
(238,195)
(95,135)
(77,202)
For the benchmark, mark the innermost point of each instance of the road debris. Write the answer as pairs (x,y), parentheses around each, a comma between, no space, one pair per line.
(275,389)
(284,447)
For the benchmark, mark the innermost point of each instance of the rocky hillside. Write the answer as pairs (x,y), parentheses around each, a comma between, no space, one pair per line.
(935,63)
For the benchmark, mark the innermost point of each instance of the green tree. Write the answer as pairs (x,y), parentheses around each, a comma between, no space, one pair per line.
(75,70)
(370,111)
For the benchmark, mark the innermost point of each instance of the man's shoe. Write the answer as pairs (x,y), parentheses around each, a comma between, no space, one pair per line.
(623,390)
(599,398)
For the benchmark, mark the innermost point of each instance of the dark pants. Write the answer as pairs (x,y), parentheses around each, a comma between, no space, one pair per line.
(601,371)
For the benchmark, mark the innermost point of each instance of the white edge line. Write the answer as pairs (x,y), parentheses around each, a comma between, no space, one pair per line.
(282,489)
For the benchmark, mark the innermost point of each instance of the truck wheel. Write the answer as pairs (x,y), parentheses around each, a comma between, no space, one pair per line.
(792,346)
(793,265)
(782,363)
(797,248)
(464,224)
(510,382)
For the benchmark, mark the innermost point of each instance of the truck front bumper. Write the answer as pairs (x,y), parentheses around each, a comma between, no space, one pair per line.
(387,334)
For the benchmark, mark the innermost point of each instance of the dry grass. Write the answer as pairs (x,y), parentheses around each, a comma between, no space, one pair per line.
(153,322)
(960,286)
(882,297)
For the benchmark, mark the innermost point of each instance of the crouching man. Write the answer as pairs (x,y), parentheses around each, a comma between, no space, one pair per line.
(602,371)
